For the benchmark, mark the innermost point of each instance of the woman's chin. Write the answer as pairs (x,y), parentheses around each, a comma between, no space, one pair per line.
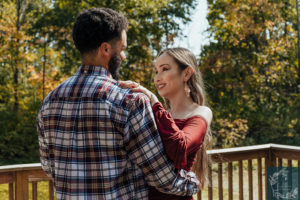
(163,95)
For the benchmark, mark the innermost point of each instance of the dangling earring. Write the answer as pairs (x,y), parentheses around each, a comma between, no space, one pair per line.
(187,89)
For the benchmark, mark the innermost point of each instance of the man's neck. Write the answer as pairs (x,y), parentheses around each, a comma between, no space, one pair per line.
(93,61)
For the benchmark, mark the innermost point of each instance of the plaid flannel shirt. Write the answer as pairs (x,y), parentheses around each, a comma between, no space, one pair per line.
(99,141)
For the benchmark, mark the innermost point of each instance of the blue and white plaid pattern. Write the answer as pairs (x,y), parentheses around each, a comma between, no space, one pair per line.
(99,141)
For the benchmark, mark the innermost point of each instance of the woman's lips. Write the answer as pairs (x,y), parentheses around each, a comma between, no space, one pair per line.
(161,86)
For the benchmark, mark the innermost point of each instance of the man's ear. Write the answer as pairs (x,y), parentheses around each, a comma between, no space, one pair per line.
(105,49)
(187,73)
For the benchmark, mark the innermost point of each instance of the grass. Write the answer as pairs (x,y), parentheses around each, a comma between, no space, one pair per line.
(43,191)
(43,185)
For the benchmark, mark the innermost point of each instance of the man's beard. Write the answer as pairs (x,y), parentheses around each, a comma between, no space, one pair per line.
(114,66)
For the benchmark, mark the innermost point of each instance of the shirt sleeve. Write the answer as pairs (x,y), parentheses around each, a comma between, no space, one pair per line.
(145,149)
(43,147)
(179,143)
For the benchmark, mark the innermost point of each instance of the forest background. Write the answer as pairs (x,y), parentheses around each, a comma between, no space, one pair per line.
(250,65)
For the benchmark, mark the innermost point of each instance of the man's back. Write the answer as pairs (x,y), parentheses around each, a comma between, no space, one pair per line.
(99,141)
(84,121)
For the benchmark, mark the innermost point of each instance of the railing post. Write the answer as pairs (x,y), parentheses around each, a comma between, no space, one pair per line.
(220,181)
(269,162)
(270,158)
(250,180)
(21,190)
(11,191)
(259,176)
(210,186)
(51,191)
(241,189)
(34,190)
(230,185)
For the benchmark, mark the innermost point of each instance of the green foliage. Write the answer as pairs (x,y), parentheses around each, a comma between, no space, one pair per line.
(250,67)
(18,137)
(152,26)
(37,53)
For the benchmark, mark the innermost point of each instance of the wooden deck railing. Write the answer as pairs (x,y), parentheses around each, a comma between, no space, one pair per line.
(268,155)
(18,177)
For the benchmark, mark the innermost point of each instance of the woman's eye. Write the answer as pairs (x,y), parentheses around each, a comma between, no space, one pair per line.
(165,69)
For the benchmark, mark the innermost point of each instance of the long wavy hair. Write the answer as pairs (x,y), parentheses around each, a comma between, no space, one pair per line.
(184,58)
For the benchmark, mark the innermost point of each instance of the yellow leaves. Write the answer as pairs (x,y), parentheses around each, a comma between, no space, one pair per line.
(232,132)
(269,24)
(290,29)
(291,132)
(31,57)
(13,32)
(293,123)
(218,63)
(37,80)
(246,97)
(19,54)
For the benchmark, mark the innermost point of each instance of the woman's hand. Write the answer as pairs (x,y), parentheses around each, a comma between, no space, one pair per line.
(128,84)
(136,87)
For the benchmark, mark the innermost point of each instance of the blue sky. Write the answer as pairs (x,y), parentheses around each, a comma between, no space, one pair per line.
(194,31)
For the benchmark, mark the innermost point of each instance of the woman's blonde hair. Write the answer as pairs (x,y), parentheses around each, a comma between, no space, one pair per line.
(184,58)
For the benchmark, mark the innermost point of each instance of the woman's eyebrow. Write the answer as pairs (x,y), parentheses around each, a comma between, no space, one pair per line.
(163,65)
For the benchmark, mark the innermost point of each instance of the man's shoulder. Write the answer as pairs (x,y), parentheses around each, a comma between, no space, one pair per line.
(58,89)
(128,99)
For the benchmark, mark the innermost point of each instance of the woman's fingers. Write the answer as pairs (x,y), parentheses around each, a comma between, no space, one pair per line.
(128,84)
(138,89)
(142,90)
(135,87)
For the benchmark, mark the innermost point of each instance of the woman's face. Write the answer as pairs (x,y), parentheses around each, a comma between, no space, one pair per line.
(168,77)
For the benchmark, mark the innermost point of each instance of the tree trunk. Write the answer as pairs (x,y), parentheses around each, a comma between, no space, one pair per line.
(44,66)
(17,60)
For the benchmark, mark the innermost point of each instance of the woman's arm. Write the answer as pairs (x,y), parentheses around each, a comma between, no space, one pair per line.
(179,143)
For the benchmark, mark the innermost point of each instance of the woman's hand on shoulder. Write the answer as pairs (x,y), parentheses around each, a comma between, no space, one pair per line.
(204,112)
(135,87)
(128,84)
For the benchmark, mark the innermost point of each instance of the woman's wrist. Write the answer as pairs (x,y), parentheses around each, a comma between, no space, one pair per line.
(153,99)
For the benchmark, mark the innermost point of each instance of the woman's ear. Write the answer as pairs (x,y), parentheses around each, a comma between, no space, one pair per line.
(187,73)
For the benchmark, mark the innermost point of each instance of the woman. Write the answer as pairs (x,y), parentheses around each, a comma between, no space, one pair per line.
(184,128)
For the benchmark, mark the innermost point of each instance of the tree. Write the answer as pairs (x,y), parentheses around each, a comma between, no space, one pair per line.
(37,53)
(152,26)
(15,47)
(18,140)
(251,68)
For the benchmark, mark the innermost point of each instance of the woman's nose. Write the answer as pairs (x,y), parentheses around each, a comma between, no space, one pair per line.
(156,78)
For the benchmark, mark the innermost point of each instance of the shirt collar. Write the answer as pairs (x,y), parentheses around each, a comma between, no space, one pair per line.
(93,70)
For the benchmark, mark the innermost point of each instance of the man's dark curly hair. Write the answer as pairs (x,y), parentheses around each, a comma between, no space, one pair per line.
(95,26)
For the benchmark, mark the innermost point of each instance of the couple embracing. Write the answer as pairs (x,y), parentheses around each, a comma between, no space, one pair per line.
(106,139)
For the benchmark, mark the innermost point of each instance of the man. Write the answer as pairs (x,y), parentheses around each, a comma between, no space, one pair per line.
(98,141)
